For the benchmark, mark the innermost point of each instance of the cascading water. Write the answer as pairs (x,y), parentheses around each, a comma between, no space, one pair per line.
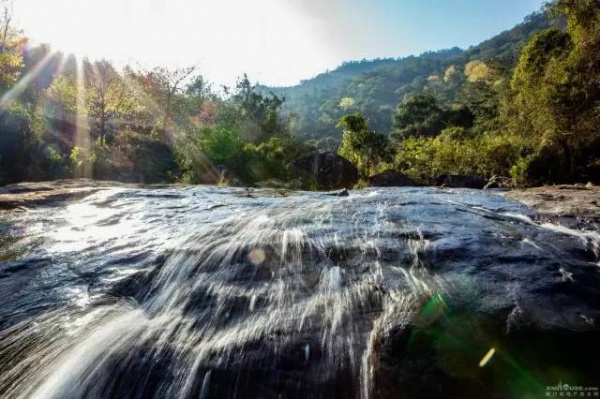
(210,293)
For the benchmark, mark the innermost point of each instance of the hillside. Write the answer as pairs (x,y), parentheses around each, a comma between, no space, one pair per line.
(376,87)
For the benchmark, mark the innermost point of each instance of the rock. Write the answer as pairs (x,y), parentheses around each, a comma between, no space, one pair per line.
(235,182)
(577,187)
(331,171)
(24,188)
(402,294)
(390,178)
(562,202)
(341,193)
(266,192)
(460,181)
(47,197)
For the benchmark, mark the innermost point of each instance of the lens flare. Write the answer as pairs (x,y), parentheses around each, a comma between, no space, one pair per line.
(257,256)
(487,357)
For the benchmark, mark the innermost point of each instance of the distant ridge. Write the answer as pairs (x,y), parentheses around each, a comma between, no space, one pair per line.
(376,87)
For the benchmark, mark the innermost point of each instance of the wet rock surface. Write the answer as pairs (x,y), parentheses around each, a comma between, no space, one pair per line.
(187,292)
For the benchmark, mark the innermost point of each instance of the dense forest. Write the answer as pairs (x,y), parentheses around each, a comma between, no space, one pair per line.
(374,88)
(524,105)
(61,117)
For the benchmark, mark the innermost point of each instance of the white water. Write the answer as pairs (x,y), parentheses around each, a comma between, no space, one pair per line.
(304,289)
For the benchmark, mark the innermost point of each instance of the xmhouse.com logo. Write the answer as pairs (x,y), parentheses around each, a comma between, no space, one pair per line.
(561,390)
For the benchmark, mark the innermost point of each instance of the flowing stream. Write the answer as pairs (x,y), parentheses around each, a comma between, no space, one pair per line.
(205,292)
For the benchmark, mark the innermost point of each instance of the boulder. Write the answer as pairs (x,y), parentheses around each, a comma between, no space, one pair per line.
(328,169)
(390,178)
(460,181)
(339,193)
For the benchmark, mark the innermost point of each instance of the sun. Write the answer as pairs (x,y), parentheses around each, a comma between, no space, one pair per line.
(86,29)
(267,39)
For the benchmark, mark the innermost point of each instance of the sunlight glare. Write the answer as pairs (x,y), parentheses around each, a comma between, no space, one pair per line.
(487,357)
(269,39)
(83,139)
(25,81)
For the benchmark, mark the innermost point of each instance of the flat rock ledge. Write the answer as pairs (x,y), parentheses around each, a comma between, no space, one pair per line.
(573,205)
(42,194)
(43,198)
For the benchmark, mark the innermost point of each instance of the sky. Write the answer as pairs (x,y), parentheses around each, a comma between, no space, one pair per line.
(276,42)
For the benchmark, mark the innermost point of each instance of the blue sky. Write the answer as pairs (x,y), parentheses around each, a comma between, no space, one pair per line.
(445,23)
(277,42)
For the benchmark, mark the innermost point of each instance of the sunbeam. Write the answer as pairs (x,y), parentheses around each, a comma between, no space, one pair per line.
(25,81)
(83,139)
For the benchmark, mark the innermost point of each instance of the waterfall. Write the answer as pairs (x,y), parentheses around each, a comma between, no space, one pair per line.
(161,293)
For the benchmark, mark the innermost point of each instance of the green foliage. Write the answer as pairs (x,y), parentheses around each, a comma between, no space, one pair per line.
(208,151)
(82,161)
(524,104)
(269,160)
(362,147)
(557,97)
(134,157)
(354,123)
(11,50)
(140,126)
(63,92)
(418,114)
(378,86)
(455,133)
(109,101)
(422,114)
(260,118)
(220,144)
(423,158)
(11,64)
(537,123)
(23,153)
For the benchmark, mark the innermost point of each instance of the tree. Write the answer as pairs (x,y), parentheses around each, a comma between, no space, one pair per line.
(198,100)
(11,60)
(347,102)
(543,101)
(104,97)
(170,85)
(556,96)
(418,114)
(451,75)
(6,18)
(477,71)
(107,97)
(364,148)
(259,114)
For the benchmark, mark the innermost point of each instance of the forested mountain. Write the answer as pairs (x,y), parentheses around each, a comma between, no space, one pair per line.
(524,105)
(374,88)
